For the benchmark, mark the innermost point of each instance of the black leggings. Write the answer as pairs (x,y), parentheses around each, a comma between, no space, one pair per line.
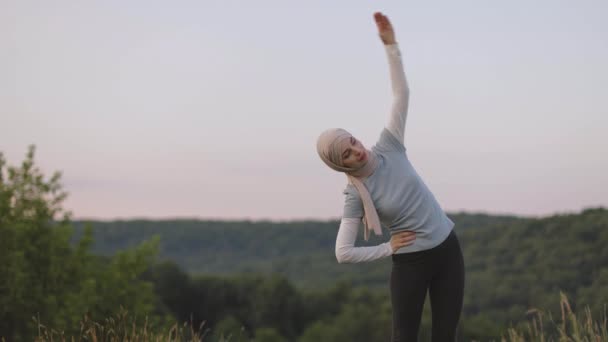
(440,270)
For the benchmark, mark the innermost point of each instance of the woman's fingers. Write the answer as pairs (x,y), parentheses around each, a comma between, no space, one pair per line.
(378,16)
(406,242)
(385,29)
(402,239)
(406,238)
(382,20)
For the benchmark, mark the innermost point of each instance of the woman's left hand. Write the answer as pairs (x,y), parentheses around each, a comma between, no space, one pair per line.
(385,29)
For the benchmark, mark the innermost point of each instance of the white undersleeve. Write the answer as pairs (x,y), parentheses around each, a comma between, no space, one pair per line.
(346,252)
(401,93)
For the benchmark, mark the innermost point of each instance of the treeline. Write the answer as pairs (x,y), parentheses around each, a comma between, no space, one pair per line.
(302,251)
(270,308)
(512,264)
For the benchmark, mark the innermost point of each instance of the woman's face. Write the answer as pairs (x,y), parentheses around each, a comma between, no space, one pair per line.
(354,154)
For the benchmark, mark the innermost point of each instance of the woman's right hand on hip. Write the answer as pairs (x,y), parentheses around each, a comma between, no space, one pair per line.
(402,239)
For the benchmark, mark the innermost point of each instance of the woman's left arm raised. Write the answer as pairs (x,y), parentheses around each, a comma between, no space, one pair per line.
(401,92)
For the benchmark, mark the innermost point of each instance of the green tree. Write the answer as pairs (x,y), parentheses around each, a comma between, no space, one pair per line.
(229,329)
(365,317)
(43,275)
(268,335)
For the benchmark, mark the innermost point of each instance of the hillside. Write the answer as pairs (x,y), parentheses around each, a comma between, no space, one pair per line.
(512,264)
(302,251)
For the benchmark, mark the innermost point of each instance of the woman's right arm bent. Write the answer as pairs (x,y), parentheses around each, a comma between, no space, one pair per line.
(346,252)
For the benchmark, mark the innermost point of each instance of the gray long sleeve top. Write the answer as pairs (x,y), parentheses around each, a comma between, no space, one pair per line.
(401,198)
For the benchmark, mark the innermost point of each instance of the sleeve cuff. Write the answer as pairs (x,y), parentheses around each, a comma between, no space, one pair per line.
(393,49)
(389,248)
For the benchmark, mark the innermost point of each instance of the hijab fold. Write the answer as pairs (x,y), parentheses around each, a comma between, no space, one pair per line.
(329,149)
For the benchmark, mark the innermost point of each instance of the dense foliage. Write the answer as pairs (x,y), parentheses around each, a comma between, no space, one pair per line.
(512,264)
(43,275)
(302,251)
(274,281)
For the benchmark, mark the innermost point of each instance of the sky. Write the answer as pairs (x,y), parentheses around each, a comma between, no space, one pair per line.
(211,109)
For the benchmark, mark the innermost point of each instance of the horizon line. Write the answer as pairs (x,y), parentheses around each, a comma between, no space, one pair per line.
(317,219)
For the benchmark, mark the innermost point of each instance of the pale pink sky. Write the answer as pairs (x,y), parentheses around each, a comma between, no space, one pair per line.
(211,109)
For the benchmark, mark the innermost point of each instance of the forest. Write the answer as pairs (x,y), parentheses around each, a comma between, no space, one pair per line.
(273,281)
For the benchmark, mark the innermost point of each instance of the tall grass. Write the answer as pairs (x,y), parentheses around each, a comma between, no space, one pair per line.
(572,327)
(125,328)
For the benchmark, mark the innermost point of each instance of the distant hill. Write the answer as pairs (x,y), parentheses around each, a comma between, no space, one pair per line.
(512,263)
(303,250)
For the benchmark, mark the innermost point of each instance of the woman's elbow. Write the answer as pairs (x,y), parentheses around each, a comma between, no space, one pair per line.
(343,255)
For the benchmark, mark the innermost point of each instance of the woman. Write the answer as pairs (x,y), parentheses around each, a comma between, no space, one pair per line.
(384,188)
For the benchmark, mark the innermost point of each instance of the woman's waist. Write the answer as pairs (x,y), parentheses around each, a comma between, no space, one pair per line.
(426,237)
(402,255)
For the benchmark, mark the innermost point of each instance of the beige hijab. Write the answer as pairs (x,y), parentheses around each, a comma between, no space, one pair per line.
(328,147)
